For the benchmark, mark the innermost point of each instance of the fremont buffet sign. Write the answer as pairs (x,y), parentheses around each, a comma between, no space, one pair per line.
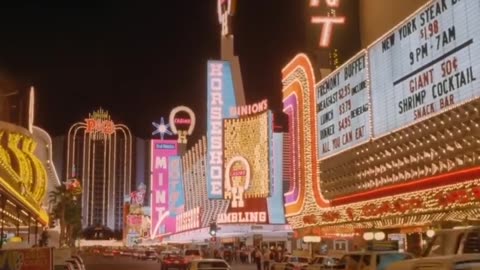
(422,67)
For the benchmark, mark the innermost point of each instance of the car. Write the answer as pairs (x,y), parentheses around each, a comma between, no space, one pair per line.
(373,260)
(149,255)
(324,262)
(137,253)
(165,253)
(192,254)
(296,263)
(173,261)
(281,264)
(208,264)
(457,248)
(108,253)
(126,252)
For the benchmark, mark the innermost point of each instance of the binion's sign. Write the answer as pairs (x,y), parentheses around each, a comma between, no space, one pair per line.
(327,22)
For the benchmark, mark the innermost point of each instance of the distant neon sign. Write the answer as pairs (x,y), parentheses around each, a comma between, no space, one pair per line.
(249,109)
(327,21)
(97,125)
(182,132)
(99,122)
(224,10)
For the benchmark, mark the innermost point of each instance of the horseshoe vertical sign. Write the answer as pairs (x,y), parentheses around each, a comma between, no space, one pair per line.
(182,127)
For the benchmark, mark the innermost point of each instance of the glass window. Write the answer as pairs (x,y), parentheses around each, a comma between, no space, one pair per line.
(441,245)
(384,260)
(192,252)
(472,243)
(302,260)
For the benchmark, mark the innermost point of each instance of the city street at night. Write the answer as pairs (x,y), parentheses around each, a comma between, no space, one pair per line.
(298,134)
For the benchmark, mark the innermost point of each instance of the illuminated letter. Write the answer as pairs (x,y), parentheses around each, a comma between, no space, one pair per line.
(90,125)
(160,162)
(216,69)
(327,27)
(216,99)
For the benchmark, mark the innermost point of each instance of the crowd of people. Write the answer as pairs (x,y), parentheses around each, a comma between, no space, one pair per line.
(263,257)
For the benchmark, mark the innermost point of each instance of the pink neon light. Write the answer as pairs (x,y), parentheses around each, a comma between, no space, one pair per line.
(327,28)
(330,3)
(333,3)
(314,3)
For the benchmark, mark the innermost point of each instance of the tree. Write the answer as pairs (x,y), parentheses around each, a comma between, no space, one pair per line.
(67,209)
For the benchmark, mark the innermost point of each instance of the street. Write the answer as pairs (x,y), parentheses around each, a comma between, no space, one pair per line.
(127,263)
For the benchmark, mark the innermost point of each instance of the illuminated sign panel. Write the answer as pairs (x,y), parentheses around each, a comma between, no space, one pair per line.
(176,200)
(343,107)
(161,152)
(188,220)
(246,170)
(221,97)
(427,64)
(276,213)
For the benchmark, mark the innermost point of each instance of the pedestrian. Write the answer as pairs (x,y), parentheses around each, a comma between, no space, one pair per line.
(258,258)
(266,259)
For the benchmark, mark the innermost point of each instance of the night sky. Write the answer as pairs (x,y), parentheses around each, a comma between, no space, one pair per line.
(139,61)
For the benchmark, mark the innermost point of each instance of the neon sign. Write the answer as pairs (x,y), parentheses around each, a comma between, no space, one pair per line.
(225,9)
(99,122)
(327,21)
(249,109)
(182,132)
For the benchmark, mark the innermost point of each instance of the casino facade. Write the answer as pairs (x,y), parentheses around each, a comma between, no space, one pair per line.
(388,141)
(27,172)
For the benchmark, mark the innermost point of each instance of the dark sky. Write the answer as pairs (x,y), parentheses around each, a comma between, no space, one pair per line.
(139,61)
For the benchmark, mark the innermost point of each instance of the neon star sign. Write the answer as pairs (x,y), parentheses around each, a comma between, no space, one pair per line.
(161,128)
(327,22)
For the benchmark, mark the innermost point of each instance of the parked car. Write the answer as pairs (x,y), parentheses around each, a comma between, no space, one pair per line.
(173,261)
(448,249)
(290,262)
(208,264)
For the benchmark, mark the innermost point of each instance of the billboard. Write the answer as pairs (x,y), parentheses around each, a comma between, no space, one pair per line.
(247,174)
(425,65)
(161,152)
(220,97)
(342,110)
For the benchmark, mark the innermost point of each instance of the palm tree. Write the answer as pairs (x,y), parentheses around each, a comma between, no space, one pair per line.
(67,209)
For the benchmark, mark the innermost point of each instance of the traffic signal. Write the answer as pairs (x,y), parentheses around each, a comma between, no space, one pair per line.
(213,229)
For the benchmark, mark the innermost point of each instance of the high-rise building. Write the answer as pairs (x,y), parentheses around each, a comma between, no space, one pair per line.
(99,154)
